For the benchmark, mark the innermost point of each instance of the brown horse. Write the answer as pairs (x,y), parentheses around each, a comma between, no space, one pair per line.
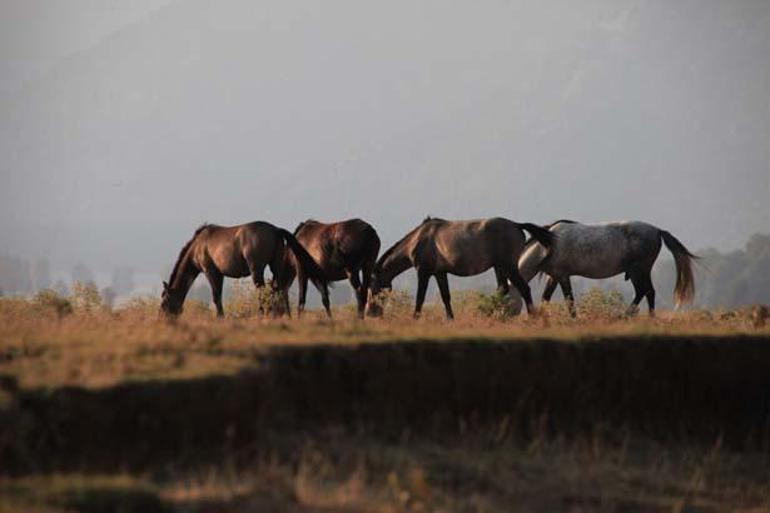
(341,250)
(463,248)
(236,252)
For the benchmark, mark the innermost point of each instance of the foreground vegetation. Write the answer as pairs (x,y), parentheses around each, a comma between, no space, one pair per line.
(477,475)
(115,410)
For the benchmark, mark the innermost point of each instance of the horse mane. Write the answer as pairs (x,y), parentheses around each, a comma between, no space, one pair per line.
(391,249)
(182,253)
(566,221)
(305,222)
(429,219)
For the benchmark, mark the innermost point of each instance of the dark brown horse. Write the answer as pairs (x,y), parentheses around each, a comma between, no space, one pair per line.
(236,252)
(463,248)
(342,250)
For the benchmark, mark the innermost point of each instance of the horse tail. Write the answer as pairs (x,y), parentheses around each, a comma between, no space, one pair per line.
(305,262)
(540,234)
(684,291)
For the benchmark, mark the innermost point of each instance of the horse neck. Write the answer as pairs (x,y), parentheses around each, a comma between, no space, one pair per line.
(186,273)
(397,262)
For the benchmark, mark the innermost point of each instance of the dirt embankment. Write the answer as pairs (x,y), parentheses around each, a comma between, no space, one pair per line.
(667,388)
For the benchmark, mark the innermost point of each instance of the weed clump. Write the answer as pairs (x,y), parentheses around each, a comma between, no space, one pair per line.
(248,301)
(390,304)
(49,301)
(598,304)
(85,297)
(498,306)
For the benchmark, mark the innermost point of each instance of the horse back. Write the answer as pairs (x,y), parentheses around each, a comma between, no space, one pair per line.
(469,247)
(341,244)
(234,249)
(603,250)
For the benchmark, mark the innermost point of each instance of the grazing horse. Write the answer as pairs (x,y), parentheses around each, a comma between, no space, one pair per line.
(236,252)
(341,250)
(603,250)
(464,248)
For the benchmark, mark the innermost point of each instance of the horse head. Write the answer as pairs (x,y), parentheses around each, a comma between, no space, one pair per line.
(171,301)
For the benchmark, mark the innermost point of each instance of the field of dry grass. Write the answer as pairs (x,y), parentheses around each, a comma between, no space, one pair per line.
(115,410)
(95,347)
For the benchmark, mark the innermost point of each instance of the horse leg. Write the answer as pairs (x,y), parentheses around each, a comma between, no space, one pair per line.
(650,297)
(502,281)
(422,287)
(643,287)
(523,287)
(640,282)
(443,287)
(566,289)
(355,282)
(215,280)
(286,303)
(550,287)
(302,295)
(325,300)
(366,281)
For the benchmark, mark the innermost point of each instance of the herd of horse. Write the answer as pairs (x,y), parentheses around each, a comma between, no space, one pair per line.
(322,253)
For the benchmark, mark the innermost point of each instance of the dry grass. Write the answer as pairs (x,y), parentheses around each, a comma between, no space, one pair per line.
(49,342)
(367,476)
(96,347)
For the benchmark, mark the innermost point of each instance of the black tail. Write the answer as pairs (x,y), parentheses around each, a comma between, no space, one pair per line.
(540,234)
(684,291)
(307,265)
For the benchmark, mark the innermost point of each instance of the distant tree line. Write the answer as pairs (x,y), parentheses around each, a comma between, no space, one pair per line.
(740,277)
(18,276)
(21,277)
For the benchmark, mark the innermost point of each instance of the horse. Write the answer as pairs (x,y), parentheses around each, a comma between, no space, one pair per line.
(342,250)
(438,247)
(236,252)
(604,250)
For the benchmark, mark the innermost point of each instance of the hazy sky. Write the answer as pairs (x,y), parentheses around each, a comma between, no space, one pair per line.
(124,125)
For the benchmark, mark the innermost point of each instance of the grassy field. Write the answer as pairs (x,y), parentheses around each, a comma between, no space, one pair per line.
(115,410)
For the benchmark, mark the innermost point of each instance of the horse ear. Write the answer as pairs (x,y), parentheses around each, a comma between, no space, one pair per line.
(165,285)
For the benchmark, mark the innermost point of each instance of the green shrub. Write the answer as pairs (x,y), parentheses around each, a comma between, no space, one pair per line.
(49,300)
(497,306)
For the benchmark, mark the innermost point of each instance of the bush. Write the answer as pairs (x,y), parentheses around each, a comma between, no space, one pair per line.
(85,296)
(247,301)
(389,304)
(49,300)
(498,306)
(600,304)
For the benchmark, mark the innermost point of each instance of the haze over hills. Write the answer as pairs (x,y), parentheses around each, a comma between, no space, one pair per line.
(235,110)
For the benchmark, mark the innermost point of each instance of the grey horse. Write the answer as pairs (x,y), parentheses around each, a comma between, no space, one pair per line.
(604,250)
